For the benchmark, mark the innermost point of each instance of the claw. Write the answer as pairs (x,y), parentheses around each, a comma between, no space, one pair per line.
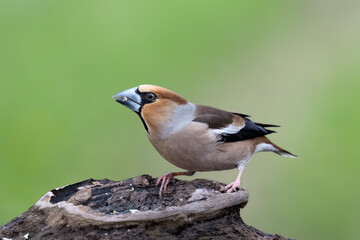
(165,180)
(233,187)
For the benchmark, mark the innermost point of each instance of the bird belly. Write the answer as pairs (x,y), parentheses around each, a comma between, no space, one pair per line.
(198,150)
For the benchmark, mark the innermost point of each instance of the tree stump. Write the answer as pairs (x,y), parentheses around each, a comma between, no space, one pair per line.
(132,209)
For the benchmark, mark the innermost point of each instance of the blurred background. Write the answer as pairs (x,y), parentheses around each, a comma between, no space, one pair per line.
(293,63)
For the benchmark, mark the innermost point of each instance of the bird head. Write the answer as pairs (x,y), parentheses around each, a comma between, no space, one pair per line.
(156,106)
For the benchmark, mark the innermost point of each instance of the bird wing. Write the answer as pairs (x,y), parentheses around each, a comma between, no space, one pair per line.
(230,127)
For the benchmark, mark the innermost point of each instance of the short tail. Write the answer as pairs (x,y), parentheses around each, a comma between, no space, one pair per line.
(283,152)
(263,144)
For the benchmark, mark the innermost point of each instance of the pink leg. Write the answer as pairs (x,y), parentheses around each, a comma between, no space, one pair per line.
(166,178)
(234,186)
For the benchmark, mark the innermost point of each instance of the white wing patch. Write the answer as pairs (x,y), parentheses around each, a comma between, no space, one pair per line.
(229,129)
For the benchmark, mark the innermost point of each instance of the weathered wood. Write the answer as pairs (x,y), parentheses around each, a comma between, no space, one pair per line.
(132,209)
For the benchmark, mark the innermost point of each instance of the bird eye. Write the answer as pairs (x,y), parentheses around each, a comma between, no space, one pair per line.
(150,96)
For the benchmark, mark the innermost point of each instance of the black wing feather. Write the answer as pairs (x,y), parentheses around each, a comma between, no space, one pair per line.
(242,115)
(251,130)
(266,125)
(217,119)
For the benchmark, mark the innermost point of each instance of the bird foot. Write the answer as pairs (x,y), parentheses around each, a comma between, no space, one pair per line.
(233,187)
(164,179)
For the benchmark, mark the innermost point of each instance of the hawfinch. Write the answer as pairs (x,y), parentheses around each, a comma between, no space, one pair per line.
(195,137)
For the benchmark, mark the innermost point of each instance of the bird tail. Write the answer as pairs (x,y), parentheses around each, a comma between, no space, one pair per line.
(283,152)
(264,144)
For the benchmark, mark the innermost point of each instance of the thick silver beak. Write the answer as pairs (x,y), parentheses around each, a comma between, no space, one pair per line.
(129,98)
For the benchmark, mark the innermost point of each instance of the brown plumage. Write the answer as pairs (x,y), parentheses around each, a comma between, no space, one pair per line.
(195,137)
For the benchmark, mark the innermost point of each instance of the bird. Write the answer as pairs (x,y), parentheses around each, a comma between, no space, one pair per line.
(197,138)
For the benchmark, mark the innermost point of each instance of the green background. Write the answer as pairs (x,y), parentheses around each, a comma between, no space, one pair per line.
(293,63)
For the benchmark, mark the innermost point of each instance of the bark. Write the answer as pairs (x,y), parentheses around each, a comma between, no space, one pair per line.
(132,209)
